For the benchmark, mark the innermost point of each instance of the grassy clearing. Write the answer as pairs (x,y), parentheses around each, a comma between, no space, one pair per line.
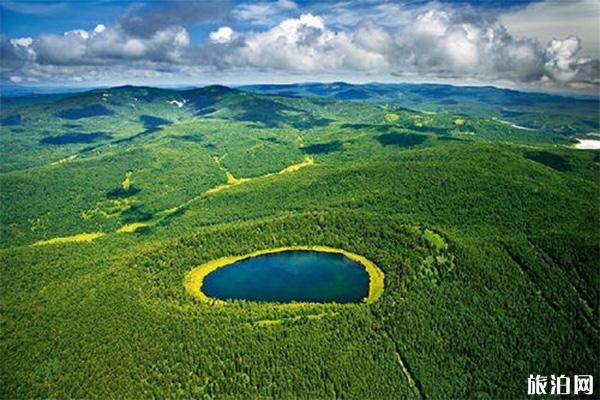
(80,237)
(232,180)
(130,228)
(65,160)
(194,279)
(391,117)
(126,184)
(308,160)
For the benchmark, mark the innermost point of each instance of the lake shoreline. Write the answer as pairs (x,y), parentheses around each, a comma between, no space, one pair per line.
(194,279)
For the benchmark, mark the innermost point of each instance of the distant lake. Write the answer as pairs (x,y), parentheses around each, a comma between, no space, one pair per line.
(309,276)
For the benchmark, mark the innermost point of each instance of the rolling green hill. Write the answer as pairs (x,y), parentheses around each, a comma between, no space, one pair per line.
(488,235)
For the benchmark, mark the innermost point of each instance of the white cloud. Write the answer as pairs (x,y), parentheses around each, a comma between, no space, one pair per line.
(552,19)
(23,42)
(55,49)
(437,42)
(373,37)
(181,38)
(305,44)
(561,64)
(104,45)
(432,23)
(99,28)
(222,35)
(78,32)
(462,50)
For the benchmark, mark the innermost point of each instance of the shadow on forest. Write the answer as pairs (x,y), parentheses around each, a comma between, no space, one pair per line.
(323,148)
(76,137)
(401,139)
(551,160)
(11,120)
(93,110)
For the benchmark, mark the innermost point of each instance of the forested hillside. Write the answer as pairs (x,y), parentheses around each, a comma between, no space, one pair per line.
(485,224)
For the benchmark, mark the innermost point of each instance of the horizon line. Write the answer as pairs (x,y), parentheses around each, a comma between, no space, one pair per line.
(179,86)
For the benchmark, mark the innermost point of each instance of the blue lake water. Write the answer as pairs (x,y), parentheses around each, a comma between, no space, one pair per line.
(287,276)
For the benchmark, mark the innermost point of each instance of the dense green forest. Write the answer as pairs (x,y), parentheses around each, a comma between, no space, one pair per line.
(486,226)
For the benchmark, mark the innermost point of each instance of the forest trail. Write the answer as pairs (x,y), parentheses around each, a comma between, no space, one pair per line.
(411,382)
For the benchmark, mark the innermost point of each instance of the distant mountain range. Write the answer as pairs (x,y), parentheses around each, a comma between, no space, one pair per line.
(534,110)
(471,100)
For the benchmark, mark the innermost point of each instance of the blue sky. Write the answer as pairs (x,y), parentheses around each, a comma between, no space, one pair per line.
(547,44)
